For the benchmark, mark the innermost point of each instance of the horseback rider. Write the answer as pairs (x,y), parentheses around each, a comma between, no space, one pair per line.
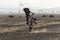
(29,18)
(27,12)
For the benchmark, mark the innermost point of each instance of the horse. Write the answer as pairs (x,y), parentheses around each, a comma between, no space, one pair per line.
(11,16)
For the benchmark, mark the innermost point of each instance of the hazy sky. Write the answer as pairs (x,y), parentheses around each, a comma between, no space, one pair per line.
(33,3)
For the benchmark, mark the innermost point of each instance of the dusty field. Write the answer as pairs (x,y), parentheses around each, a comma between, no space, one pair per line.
(46,31)
(16,29)
(29,36)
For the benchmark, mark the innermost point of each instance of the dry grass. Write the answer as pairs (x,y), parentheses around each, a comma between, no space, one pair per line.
(20,23)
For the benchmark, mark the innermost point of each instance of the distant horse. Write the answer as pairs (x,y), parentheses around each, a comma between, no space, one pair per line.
(51,16)
(11,16)
(44,16)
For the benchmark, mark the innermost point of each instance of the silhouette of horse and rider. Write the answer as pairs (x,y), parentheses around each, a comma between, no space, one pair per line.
(29,18)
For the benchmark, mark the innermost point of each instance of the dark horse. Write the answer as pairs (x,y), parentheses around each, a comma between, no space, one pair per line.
(27,12)
(51,16)
(11,16)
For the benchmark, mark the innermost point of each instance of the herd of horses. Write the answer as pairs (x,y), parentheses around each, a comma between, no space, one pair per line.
(12,16)
(48,16)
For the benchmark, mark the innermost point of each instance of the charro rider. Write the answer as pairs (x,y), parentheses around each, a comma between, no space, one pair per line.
(29,18)
(27,12)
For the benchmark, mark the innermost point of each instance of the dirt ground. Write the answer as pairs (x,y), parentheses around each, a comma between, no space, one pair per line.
(45,29)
